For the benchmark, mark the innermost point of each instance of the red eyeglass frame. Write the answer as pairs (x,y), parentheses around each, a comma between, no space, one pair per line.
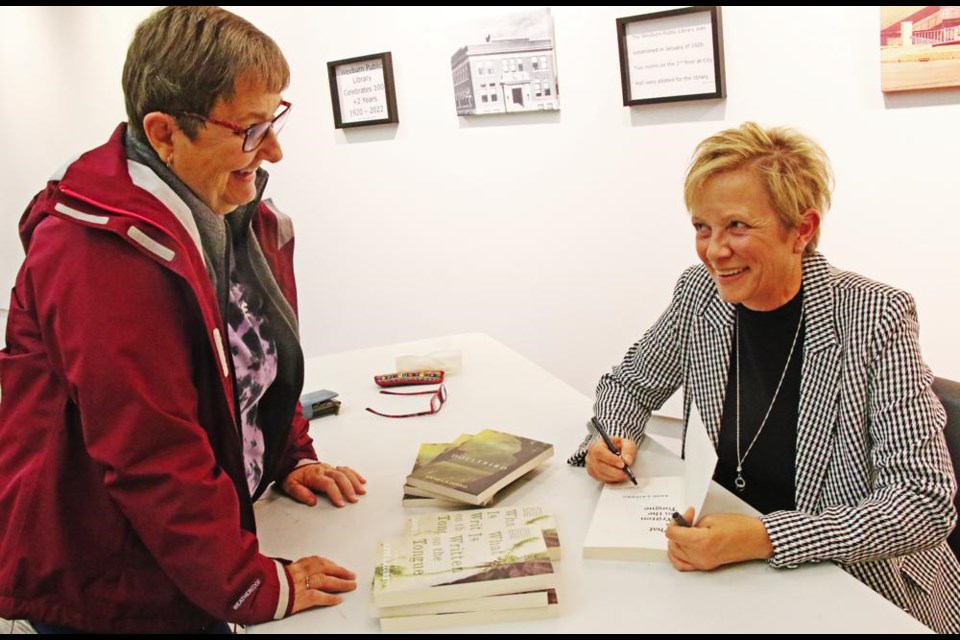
(246,131)
(440,393)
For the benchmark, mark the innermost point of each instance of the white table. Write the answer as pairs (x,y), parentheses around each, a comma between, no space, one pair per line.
(499,389)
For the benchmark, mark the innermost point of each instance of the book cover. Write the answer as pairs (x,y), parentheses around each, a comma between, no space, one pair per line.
(489,520)
(503,602)
(629,522)
(432,568)
(439,621)
(477,468)
(414,497)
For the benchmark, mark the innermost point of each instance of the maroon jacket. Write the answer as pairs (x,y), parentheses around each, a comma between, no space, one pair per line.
(124,502)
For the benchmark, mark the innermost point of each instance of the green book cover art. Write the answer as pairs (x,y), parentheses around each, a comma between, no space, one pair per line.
(431,567)
(427,452)
(487,520)
(430,450)
(481,461)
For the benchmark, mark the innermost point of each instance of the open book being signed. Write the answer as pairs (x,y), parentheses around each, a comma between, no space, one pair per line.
(629,521)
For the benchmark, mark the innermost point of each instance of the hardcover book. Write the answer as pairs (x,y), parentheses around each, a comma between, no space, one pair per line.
(474,470)
(433,568)
(489,520)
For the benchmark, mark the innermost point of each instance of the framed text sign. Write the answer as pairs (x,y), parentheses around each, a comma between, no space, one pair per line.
(362,91)
(670,56)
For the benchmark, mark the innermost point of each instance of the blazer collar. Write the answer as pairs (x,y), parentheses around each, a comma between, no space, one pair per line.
(819,383)
(820,332)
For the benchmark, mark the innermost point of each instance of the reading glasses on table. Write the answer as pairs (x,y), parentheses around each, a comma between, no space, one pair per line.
(437,397)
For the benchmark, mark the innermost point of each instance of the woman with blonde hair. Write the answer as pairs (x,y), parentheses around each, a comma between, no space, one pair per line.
(809,380)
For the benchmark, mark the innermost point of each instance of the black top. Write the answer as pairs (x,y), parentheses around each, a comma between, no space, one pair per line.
(769,468)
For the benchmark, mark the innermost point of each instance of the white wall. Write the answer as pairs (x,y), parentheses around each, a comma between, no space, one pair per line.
(560,234)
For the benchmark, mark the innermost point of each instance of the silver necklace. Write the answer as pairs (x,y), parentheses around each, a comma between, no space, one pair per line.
(740,483)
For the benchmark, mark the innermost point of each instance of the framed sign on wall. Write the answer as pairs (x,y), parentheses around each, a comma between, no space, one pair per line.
(671,56)
(362,91)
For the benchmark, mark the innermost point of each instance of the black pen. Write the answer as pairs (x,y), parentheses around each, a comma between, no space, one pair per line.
(679,519)
(613,448)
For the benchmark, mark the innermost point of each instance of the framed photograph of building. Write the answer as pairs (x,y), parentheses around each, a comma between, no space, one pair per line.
(919,48)
(671,56)
(505,65)
(362,91)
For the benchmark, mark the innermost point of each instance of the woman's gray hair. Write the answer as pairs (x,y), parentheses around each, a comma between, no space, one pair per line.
(183,59)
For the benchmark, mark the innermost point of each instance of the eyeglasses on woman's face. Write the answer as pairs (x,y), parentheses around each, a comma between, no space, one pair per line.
(255,134)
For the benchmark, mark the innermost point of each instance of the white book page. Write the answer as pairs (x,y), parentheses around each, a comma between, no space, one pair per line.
(629,521)
(630,516)
(701,461)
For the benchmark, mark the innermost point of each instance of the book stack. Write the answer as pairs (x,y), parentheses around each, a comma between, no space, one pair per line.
(414,497)
(456,568)
(472,469)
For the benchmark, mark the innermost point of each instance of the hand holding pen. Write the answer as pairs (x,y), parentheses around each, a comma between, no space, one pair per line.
(614,449)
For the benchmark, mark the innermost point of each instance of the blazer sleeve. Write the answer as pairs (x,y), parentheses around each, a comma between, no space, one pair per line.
(910,505)
(651,372)
(116,325)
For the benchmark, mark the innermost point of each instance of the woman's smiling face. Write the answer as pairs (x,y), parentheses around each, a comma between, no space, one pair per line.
(744,244)
(214,164)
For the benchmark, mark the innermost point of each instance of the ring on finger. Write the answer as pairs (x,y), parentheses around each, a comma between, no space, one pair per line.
(308,582)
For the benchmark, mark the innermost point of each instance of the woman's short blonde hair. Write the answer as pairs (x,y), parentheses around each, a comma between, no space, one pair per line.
(794,170)
(183,59)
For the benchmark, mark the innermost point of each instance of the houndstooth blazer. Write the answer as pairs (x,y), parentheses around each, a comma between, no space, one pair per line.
(874,483)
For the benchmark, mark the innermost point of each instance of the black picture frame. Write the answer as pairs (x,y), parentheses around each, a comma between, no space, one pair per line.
(671,42)
(359,105)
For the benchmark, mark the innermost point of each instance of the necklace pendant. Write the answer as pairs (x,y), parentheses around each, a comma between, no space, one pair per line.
(740,483)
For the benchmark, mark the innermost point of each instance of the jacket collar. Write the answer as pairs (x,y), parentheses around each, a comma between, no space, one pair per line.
(105,183)
(101,177)
(819,383)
